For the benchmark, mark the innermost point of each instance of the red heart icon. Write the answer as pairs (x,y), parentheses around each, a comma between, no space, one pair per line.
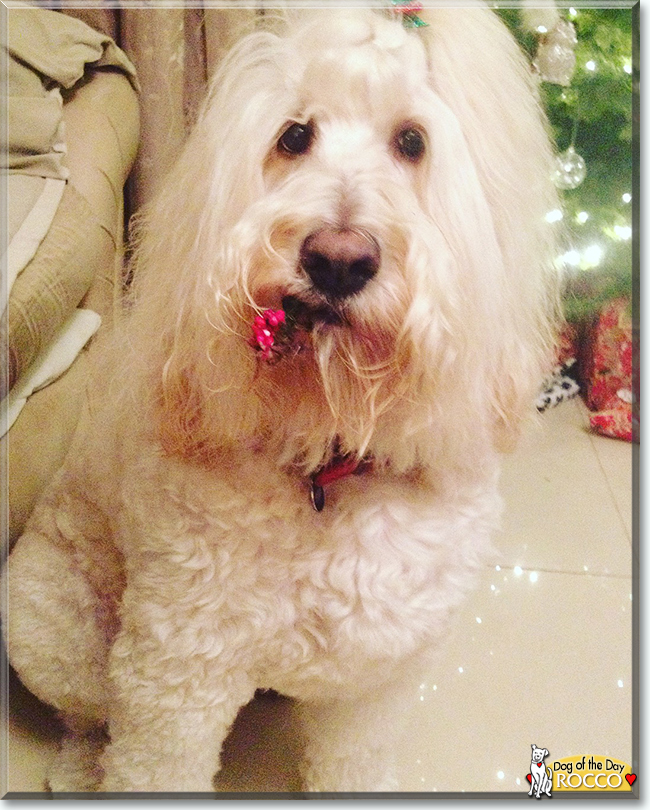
(631,778)
(529,777)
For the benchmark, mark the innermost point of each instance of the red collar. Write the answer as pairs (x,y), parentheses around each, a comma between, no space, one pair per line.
(338,467)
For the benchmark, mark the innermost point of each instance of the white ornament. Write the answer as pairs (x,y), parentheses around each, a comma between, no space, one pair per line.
(536,14)
(555,59)
(570,169)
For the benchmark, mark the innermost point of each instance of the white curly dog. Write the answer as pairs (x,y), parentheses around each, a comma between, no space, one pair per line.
(385,187)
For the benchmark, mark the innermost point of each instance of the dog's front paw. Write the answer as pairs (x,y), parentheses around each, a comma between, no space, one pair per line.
(365,774)
(76,767)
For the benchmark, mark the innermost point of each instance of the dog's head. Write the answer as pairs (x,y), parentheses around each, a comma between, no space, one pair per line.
(538,754)
(388,187)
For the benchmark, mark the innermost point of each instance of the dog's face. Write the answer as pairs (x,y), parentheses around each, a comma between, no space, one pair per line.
(343,201)
(345,183)
(343,232)
(539,754)
(347,171)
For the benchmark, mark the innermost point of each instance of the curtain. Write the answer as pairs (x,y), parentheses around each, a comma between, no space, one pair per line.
(175,51)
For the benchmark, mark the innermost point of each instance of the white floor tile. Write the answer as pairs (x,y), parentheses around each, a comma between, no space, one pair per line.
(549,664)
(561,513)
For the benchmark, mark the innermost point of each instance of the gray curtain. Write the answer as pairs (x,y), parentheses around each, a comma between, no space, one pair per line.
(175,52)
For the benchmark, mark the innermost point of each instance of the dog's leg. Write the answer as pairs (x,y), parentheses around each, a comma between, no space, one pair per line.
(347,750)
(64,581)
(54,639)
(62,586)
(350,744)
(175,751)
(166,748)
(173,709)
(76,768)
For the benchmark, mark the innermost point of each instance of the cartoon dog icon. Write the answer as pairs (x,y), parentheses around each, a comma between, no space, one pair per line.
(541,778)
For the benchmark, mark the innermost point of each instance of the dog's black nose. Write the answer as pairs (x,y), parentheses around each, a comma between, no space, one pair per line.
(339,262)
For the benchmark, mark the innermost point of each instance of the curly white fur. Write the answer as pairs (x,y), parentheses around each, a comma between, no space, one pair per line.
(175,564)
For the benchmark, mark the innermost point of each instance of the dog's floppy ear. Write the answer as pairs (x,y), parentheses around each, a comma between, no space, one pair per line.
(187,276)
(477,69)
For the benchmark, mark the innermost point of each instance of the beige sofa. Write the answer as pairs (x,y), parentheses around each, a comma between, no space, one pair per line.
(78,263)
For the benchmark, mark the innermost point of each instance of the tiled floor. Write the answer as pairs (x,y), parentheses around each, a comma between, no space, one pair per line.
(541,653)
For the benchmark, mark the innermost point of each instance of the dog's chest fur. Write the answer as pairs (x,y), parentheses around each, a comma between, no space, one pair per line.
(304,600)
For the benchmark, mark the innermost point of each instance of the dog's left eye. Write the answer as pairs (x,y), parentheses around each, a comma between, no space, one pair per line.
(410,143)
(297,139)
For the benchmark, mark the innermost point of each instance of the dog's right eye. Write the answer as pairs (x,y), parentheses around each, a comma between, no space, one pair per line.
(410,144)
(297,139)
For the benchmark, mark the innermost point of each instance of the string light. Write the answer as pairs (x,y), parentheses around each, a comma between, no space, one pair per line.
(590,65)
(627,67)
(582,217)
(623,231)
(571,257)
(626,198)
(592,256)
(554,216)
(589,258)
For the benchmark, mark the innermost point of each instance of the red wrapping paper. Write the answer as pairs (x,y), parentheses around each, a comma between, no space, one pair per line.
(608,371)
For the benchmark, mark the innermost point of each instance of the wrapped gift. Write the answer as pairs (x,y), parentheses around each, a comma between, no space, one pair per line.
(607,371)
(608,366)
(613,422)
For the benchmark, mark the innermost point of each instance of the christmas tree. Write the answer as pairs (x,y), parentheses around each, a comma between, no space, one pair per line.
(587,77)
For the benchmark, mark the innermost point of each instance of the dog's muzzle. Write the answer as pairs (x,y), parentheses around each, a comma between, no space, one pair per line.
(339,263)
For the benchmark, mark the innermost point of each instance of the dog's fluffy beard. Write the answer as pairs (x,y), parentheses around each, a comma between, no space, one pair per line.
(440,352)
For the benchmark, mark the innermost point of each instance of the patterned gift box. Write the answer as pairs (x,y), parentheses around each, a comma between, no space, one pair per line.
(607,371)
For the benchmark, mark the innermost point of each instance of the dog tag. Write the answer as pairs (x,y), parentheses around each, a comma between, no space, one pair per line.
(317,497)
